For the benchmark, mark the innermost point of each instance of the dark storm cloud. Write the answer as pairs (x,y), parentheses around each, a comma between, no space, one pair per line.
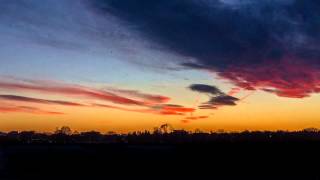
(223,100)
(220,100)
(217,97)
(203,88)
(254,44)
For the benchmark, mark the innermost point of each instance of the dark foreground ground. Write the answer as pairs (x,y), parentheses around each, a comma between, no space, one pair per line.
(294,160)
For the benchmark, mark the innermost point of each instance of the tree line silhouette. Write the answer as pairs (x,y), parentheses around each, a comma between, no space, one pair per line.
(165,134)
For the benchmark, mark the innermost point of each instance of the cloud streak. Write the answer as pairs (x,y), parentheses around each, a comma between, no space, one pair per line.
(136,94)
(159,109)
(78,91)
(193,118)
(172,109)
(40,101)
(121,99)
(26,109)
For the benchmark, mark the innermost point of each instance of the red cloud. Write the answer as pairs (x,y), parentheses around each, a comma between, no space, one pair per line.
(234,91)
(172,109)
(177,109)
(166,112)
(292,79)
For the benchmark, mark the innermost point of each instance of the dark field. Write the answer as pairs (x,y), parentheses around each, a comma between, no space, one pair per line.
(222,158)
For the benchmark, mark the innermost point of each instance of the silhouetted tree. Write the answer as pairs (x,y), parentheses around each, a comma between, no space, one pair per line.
(92,137)
(311,130)
(161,135)
(156,130)
(163,129)
(166,128)
(64,130)
(27,136)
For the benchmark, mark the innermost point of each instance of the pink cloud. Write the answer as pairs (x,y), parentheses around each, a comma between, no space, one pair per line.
(148,103)
(82,91)
(287,78)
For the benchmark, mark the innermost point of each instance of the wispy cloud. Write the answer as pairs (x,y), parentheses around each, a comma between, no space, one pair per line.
(40,101)
(26,109)
(151,98)
(78,91)
(234,91)
(121,99)
(159,109)
(172,109)
(193,118)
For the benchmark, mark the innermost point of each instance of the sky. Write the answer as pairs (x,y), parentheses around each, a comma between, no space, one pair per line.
(132,65)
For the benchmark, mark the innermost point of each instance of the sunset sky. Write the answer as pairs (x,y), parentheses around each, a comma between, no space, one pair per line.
(127,65)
